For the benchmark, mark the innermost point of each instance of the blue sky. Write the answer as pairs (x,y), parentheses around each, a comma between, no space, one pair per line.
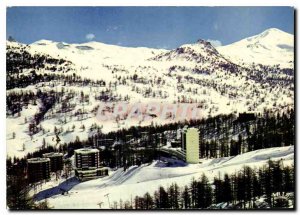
(157,27)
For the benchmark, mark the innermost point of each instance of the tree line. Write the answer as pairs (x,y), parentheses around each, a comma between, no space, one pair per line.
(217,139)
(270,186)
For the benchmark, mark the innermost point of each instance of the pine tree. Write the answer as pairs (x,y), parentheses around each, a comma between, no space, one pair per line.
(288,179)
(18,191)
(208,197)
(157,203)
(257,186)
(194,194)
(278,177)
(240,189)
(268,181)
(227,190)
(247,178)
(205,192)
(44,144)
(218,191)
(163,198)
(176,196)
(186,198)
(149,203)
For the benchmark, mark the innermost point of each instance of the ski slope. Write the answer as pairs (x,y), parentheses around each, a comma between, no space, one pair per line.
(146,178)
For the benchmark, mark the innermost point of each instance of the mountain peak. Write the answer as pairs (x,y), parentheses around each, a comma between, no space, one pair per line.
(204,42)
(270,47)
(271,32)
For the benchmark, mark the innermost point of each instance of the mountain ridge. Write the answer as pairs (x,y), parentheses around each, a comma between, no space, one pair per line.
(52,84)
(271,47)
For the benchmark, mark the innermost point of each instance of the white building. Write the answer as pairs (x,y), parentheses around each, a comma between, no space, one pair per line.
(190,144)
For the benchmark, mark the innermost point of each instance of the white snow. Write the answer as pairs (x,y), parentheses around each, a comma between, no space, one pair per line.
(219,92)
(271,47)
(146,178)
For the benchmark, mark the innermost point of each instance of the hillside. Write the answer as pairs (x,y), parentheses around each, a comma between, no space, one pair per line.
(55,88)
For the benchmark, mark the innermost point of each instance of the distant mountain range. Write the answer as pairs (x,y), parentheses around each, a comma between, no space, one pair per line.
(253,74)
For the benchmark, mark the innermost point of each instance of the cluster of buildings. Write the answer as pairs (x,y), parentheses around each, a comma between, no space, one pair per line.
(39,169)
(87,165)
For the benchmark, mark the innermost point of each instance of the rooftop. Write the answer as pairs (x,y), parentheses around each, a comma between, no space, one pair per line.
(38,160)
(186,128)
(86,150)
(52,154)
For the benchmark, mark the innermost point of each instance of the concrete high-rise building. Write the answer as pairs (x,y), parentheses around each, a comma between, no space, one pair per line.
(87,158)
(38,169)
(87,163)
(190,144)
(56,161)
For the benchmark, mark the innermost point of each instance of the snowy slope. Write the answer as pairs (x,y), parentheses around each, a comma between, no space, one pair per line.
(95,52)
(147,178)
(192,73)
(270,47)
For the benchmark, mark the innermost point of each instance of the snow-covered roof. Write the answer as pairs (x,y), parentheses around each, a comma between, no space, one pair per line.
(86,151)
(52,154)
(38,160)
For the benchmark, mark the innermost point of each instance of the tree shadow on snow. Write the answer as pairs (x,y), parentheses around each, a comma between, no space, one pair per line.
(62,188)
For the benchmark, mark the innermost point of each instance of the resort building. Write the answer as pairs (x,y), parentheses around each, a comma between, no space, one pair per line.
(87,164)
(38,169)
(56,161)
(190,144)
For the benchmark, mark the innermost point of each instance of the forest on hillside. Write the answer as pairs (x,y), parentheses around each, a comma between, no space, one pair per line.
(270,186)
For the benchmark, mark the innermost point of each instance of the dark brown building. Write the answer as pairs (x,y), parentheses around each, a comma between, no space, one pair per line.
(38,169)
(56,161)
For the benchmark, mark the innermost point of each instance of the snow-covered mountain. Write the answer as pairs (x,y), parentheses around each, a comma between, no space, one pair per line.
(54,90)
(92,49)
(55,84)
(271,47)
(197,53)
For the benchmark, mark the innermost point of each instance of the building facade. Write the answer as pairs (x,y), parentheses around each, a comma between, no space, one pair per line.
(56,161)
(38,169)
(190,144)
(86,158)
(87,164)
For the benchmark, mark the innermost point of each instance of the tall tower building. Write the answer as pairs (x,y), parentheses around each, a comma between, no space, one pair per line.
(86,158)
(87,163)
(190,144)
(38,169)
(56,161)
